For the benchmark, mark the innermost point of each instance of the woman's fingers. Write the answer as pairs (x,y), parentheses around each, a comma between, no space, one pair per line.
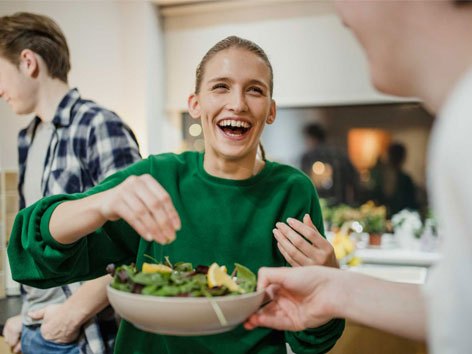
(295,239)
(135,213)
(309,231)
(146,206)
(164,199)
(155,208)
(303,244)
(287,255)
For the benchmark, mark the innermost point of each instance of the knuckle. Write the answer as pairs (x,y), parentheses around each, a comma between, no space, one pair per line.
(165,198)
(131,179)
(159,215)
(155,203)
(298,242)
(154,229)
(311,234)
(141,211)
(159,223)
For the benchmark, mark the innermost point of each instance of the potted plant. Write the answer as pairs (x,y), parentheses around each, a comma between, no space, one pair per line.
(373,222)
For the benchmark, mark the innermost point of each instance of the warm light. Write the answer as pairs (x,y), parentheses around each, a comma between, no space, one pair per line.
(322,175)
(366,146)
(318,168)
(195,129)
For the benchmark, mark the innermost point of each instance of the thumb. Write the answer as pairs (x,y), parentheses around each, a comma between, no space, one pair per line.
(36,315)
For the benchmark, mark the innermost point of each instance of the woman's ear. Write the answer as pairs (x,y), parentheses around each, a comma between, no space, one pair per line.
(29,63)
(194,106)
(272,113)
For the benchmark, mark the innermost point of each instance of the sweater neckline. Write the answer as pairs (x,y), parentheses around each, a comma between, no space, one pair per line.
(232,182)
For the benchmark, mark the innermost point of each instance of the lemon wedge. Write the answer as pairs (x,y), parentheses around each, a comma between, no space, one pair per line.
(218,276)
(156,268)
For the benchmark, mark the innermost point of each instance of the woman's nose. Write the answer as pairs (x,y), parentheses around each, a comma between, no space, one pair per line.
(238,102)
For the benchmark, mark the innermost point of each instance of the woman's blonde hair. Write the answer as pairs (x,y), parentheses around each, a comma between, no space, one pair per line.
(227,43)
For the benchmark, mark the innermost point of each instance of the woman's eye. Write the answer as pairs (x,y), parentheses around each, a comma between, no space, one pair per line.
(219,86)
(257,90)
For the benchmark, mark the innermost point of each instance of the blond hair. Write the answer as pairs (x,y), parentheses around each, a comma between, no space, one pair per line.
(227,43)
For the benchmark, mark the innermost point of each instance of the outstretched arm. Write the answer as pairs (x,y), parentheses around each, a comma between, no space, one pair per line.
(305,297)
(43,251)
(139,200)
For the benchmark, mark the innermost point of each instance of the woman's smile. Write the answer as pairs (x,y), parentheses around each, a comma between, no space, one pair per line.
(234,104)
(234,128)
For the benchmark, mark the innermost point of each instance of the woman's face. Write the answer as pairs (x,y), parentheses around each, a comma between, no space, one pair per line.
(234,103)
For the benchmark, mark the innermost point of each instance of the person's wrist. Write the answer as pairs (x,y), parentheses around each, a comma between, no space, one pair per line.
(102,207)
(75,313)
(341,281)
(97,204)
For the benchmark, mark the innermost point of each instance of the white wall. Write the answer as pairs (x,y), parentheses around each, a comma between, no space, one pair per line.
(316,60)
(117,60)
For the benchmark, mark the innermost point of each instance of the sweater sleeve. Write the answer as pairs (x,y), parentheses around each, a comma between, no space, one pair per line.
(321,339)
(37,259)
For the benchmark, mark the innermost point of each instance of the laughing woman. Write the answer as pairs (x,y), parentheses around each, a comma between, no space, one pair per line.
(224,205)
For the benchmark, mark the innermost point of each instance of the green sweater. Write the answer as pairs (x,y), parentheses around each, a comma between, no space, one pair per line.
(223,221)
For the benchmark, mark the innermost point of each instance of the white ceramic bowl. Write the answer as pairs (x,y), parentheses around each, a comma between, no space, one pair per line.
(183,316)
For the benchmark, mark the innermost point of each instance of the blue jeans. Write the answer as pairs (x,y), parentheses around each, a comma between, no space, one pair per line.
(33,342)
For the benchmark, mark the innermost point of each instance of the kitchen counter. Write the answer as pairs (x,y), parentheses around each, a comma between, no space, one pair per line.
(398,256)
(404,274)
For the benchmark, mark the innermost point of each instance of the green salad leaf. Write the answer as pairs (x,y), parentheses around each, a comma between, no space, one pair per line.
(246,279)
(180,279)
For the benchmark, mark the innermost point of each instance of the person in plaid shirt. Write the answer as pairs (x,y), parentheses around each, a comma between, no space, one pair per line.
(70,146)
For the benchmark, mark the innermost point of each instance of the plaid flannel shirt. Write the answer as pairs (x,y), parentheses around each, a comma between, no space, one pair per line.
(89,143)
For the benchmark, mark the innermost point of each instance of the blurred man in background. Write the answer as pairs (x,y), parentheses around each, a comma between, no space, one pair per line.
(330,169)
(392,186)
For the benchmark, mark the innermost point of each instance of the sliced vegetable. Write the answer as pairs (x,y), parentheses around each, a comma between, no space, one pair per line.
(182,280)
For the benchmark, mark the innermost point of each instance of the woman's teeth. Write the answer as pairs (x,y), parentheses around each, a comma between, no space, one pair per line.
(233,123)
(234,127)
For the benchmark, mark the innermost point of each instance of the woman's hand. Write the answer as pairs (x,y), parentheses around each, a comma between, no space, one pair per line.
(303,297)
(314,249)
(144,204)
(139,200)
